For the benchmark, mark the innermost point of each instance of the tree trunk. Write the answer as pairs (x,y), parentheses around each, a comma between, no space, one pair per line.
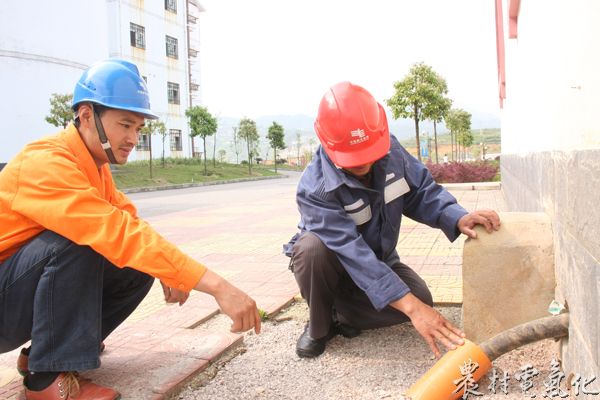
(214,151)
(249,158)
(204,144)
(150,148)
(436,146)
(275,157)
(417,132)
(163,151)
(235,146)
(452,145)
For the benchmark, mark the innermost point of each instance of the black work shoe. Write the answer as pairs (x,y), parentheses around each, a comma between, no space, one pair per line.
(308,347)
(347,331)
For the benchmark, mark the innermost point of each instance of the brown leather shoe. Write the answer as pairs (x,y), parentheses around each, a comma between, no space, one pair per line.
(23,359)
(23,362)
(70,386)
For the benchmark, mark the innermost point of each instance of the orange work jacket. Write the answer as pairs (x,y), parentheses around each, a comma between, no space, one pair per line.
(54,184)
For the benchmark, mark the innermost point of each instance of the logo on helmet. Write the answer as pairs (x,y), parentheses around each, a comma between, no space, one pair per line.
(360,136)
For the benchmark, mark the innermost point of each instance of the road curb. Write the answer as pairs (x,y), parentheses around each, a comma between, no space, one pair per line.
(199,184)
(473,186)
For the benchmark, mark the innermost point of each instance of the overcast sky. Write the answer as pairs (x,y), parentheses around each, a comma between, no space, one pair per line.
(268,57)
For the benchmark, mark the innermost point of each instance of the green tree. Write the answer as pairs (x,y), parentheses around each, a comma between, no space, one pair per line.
(61,112)
(162,131)
(437,109)
(414,94)
(466,139)
(275,137)
(458,121)
(247,131)
(221,153)
(153,127)
(202,124)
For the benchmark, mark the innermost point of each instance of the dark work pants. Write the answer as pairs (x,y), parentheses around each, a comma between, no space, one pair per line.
(66,298)
(328,289)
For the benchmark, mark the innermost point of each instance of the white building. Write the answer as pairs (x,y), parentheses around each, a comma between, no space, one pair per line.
(548,63)
(45,46)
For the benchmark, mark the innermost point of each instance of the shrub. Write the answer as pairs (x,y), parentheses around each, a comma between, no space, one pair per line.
(460,172)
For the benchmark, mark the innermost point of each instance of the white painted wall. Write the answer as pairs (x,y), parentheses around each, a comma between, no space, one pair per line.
(552,79)
(45,46)
(43,50)
(551,153)
(154,64)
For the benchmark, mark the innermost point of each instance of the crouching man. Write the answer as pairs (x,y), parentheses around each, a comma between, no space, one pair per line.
(351,199)
(75,259)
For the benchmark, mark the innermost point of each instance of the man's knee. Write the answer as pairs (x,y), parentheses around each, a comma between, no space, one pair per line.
(307,249)
(417,285)
(126,280)
(144,282)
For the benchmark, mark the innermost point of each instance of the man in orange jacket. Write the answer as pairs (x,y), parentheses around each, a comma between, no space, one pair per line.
(75,259)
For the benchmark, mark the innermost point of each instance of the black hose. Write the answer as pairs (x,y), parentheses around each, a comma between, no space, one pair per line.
(529,332)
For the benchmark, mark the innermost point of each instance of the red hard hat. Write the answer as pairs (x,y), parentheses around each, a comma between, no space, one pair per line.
(352,126)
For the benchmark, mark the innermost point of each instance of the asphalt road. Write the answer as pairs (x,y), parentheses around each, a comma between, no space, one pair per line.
(150,204)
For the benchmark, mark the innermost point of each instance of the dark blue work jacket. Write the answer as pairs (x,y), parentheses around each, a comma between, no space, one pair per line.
(361,225)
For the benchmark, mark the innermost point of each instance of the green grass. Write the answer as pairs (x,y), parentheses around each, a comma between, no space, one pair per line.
(176,171)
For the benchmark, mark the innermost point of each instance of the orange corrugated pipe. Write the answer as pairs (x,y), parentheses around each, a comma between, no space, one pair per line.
(445,380)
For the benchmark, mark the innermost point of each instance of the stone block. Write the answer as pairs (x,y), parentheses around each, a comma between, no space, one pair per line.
(508,275)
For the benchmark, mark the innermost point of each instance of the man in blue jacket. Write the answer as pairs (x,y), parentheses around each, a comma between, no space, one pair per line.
(351,200)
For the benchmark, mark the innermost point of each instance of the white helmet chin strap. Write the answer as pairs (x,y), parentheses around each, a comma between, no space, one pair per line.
(102,135)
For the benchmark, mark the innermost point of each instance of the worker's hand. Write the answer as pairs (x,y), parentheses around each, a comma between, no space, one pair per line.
(174,295)
(236,304)
(430,324)
(488,218)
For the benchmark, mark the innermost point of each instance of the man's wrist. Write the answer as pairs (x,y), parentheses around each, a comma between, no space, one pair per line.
(210,283)
(407,304)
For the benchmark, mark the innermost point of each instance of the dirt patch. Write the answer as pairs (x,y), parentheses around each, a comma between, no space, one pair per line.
(378,364)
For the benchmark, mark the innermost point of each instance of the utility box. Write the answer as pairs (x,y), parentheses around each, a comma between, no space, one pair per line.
(508,275)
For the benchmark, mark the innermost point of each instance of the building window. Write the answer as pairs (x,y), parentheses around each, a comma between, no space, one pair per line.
(137,35)
(143,142)
(171,47)
(173,92)
(171,5)
(175,139)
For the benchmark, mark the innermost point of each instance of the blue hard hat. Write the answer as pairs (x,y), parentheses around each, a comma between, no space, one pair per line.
(114,83)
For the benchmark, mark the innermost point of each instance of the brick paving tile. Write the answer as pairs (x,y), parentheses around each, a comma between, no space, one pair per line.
(161,346)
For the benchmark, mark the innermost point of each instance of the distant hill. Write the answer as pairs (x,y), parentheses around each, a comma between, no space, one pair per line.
(302,123)
(401,128)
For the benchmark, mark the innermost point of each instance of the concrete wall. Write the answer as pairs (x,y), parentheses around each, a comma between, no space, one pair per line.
(551,152)
(566,186)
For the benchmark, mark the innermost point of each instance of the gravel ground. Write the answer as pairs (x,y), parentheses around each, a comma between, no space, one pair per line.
(378,364)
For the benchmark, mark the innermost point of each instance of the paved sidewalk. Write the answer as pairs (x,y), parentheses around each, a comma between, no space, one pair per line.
(161,346)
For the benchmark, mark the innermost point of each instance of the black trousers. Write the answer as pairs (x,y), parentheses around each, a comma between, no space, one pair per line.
(66,298)
(331,293)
